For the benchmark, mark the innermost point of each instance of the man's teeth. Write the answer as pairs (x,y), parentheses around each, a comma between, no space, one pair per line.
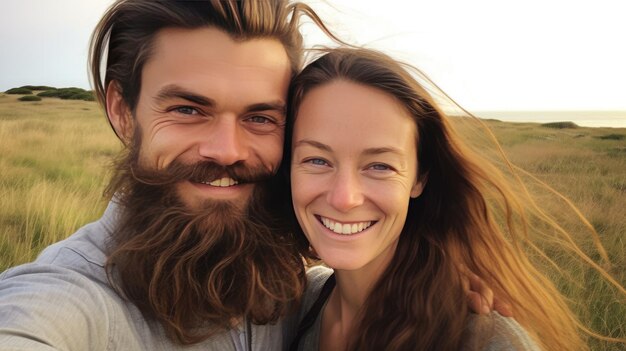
(345,228)
(223,182)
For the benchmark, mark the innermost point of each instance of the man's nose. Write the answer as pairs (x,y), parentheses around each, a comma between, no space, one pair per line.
(346,192)
(225,142)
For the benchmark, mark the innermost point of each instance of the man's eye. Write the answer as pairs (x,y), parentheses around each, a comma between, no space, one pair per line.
(259,119)
(186,110)
(261,124)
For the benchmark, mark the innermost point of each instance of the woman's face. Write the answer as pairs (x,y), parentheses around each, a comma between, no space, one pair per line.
(353,170)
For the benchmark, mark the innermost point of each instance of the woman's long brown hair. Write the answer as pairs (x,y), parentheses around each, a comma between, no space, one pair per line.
(468,214)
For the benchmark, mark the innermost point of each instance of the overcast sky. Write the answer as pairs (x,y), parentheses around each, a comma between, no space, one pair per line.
(486,54)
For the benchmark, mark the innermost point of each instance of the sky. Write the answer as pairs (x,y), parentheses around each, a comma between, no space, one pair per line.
(485,54)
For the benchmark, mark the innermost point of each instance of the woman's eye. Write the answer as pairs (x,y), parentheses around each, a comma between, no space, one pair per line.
(316,162)
(380,167)
(186,110)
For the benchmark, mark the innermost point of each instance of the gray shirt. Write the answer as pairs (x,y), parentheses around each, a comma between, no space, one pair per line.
(502,333)
(63,301)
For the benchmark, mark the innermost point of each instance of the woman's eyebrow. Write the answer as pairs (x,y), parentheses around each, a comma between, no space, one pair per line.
(369,151)
(383,150)
(313,143)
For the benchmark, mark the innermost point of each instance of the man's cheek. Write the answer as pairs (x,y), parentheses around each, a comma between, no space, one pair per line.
(271,157)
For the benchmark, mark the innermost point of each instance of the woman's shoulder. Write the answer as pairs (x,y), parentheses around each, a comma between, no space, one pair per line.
(316,276)
(494,332)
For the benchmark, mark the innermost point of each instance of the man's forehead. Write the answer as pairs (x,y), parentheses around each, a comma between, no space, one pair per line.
(208,62)
(215,45)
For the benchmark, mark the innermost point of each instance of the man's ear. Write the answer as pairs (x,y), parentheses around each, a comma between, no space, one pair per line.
(419,185)
(118,113)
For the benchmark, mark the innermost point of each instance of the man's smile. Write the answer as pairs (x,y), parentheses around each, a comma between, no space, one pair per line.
(222,182)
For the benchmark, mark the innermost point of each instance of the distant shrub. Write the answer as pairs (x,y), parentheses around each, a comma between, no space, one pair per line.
(560,125)
(19,91)
(69,94)
(612,137)
(87,96)
(49,93)
(30,98)
(37,87)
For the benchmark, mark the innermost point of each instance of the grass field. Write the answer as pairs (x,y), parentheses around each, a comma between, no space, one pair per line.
(54,157)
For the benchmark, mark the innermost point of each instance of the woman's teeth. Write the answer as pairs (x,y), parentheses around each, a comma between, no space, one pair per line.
(345,228)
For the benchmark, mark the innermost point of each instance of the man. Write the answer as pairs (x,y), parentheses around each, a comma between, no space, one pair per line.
(196,90)
(190,253)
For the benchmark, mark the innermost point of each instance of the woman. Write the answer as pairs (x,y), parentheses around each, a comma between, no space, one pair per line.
(387,196)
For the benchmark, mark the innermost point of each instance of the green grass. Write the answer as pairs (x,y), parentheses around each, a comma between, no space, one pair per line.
(56,154)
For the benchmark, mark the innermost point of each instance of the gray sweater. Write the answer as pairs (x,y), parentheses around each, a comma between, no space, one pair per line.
(63,301)
(504,333)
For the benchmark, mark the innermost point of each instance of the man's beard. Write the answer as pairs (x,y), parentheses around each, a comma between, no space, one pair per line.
(156,191)
(152,207)
(198,268)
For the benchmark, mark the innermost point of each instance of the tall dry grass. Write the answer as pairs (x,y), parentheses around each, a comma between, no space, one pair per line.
(54,158)
(53,161)
(588,166)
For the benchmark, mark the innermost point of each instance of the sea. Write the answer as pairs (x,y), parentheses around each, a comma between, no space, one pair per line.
(604,119)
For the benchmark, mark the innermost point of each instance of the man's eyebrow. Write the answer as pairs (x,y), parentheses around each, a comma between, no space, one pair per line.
(267,106)
(174,91)
(313,143)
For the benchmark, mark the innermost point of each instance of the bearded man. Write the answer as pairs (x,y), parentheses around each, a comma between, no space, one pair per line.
(192,252)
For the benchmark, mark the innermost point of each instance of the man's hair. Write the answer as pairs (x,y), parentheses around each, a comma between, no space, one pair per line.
(189,271)
(126,33)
